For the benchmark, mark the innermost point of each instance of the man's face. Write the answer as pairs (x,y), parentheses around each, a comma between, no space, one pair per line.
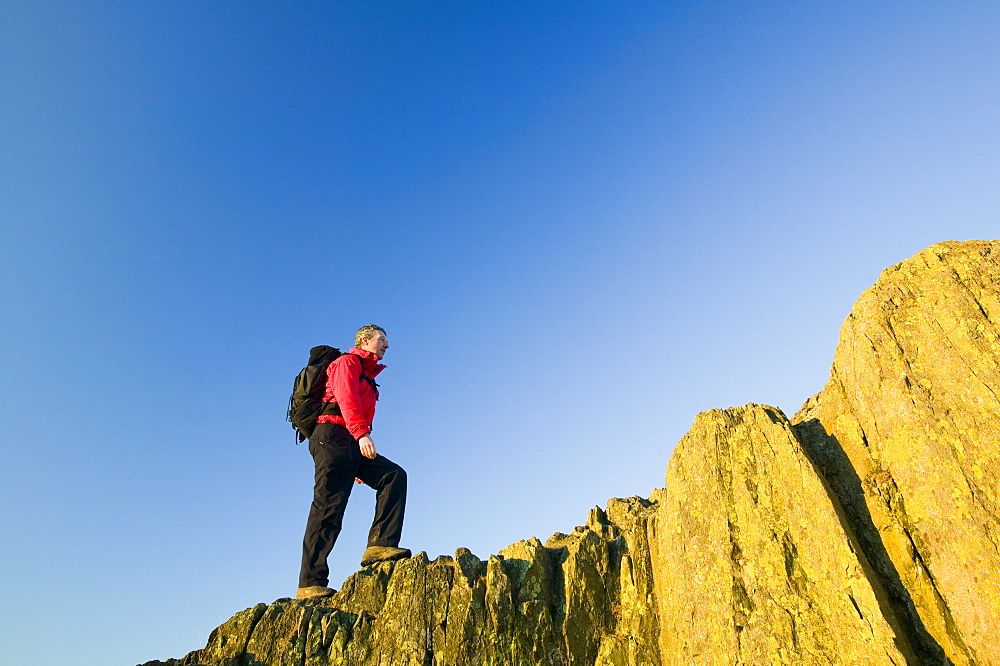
(377,344)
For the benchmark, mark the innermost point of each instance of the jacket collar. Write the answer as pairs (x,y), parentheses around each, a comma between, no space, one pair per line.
(369,360)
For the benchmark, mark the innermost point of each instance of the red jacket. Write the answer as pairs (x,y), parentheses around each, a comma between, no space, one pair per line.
(355,396)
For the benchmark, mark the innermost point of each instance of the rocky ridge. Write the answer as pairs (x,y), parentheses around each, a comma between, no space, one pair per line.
(865,530)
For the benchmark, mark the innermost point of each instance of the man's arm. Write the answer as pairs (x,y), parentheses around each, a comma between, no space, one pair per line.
(345,381)
(344,384)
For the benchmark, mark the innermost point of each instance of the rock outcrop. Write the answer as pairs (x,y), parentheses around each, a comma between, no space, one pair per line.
(908,433)
(863,531)
(754,564)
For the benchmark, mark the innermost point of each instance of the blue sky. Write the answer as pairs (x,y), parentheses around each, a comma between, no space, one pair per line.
(581,224)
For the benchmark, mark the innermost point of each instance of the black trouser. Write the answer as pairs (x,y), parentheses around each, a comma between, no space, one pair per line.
(338,461)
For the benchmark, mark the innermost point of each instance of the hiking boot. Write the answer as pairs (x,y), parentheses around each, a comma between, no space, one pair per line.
(375,554)
(314,592)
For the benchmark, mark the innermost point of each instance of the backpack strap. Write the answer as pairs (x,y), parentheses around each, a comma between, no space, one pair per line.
(365,377)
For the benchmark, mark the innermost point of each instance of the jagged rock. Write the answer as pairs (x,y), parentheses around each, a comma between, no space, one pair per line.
(908,430)
(864,531)
(754,563)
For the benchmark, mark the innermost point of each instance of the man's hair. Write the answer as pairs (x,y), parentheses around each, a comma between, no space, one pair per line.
(367,333)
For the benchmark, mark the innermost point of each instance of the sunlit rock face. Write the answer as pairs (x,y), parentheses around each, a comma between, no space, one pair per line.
(865,530)
(754,564)
(908,432)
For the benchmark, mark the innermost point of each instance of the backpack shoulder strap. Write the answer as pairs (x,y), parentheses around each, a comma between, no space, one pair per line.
(365,377)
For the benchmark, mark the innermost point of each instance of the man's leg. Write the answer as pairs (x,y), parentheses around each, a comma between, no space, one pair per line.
(336,456)
(389,481)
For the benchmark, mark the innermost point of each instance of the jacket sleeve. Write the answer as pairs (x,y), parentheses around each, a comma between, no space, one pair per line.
(345,383)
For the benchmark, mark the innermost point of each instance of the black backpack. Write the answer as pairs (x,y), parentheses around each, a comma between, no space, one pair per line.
(306,402)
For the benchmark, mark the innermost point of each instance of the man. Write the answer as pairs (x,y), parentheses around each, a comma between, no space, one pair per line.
(344,453)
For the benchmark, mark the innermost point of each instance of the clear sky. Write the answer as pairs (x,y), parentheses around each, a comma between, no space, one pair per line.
(580,224)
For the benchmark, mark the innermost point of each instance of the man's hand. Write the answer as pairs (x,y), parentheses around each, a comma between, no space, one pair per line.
(367,447)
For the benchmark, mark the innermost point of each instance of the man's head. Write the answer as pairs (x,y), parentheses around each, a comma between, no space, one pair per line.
(372,338)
